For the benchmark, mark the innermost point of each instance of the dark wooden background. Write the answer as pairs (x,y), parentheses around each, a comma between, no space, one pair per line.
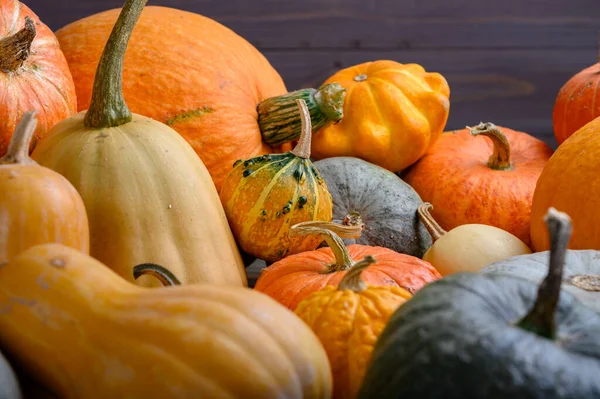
(505,60)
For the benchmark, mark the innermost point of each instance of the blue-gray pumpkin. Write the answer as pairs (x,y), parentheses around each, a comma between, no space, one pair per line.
(492,336)
(9,386)
(387,206)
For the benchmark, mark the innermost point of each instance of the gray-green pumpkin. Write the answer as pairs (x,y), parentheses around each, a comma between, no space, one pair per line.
(387,205)
(581,275)
(492,336)
(9,386)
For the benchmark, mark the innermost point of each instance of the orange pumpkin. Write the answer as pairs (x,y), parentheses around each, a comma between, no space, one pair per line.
(34,74)
(475,180)
(393,114)
(577,103)
(198,77)
(570,183)
(295,277)
(37,205)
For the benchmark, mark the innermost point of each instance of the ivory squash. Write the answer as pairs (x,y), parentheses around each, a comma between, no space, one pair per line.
(348,320)
(393,113)
(485,174)
(141,343)
(37,205)
(469,247)
(203,80)
(148,196)
(264,196)
(569,184)
(295,277)
(34,74)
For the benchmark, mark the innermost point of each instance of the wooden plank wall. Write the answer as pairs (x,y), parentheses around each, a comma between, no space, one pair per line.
(505,60)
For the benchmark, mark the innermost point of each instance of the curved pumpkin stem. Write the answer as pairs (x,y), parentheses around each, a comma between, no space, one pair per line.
(15,49)
(540,319)
(302,149)
(161,273)
(18,149)
(500,158)
(352,280)
(435,230)
(332,233)
(108,107)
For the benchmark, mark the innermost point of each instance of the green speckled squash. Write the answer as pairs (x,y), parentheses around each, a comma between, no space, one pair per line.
(278,116)
(264,196)
(364,193)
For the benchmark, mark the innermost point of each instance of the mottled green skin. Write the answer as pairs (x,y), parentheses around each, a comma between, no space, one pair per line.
(455,339)
(9,386)
(279,117)
(386,204)
(534,267)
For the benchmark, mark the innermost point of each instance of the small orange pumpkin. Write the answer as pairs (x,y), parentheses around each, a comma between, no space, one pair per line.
(37,205)
(348,319)
(392,114)
(295,277)
(474,180)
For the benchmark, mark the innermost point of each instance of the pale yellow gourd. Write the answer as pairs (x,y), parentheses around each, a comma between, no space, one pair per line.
(468,247)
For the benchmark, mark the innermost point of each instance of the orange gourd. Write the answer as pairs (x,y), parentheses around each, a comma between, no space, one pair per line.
(34,75)
(481,180)
(569,183)
(392,114)
(348,319)
(295,277)
(201,79)
(37,205)
(577,103)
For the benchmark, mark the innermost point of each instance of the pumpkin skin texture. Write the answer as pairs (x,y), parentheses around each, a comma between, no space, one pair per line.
(220,342)
(576,103)
(393,113)
(348,319)
(148,196)
(209,80)
(569,183)
(37,205)
(384,203)
(295,277)
(469,247)
(9,385)
(476,335)
(264,196)
(476,180)
(34,74)
(581,276)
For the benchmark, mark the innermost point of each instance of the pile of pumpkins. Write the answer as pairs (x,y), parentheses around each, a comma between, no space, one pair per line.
(150,154)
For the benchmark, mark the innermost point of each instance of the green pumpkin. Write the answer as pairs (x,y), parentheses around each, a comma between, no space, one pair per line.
(387,206)
(9,386)
(581,275)
(492,336)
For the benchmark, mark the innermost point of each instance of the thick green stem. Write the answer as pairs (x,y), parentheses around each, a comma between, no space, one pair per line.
(15,49)
(500,158)
(18,149)
(108,107)
(541,318)
(435,230)
(279,120)
(352,280)
(332,233)
(161,273)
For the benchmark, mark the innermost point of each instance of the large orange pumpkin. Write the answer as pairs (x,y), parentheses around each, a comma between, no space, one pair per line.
(570,183)
(295,277)
(577,103)
(481,180)
(198,77)
(34,75)
(392,114)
